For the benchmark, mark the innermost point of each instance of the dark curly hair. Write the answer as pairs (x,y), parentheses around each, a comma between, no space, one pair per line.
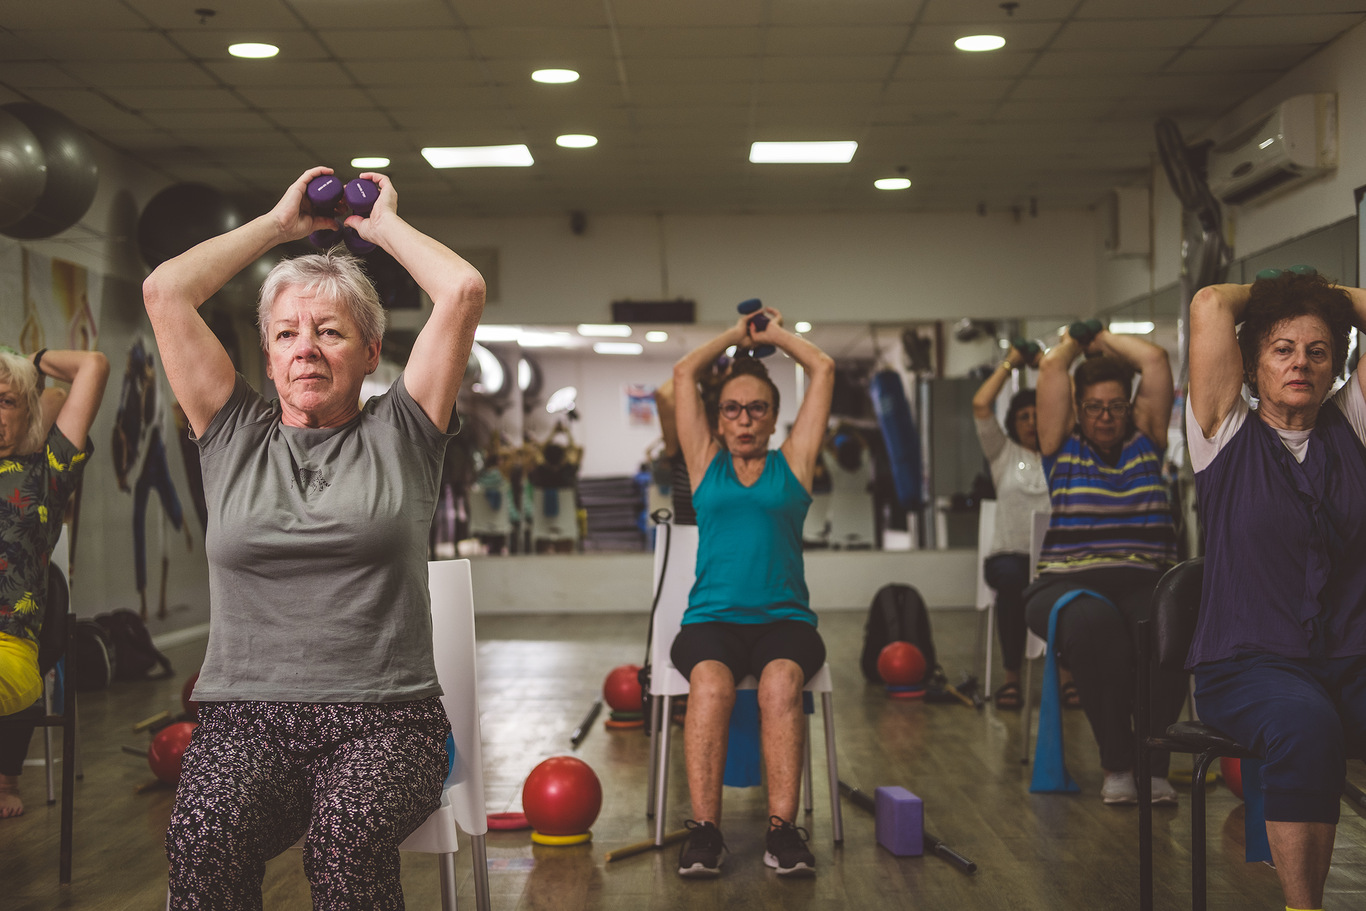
(1274,300)
(740,366)
(1102,369)
(1025,398)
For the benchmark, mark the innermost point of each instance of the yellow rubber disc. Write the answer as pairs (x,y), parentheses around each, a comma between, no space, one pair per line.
(561,839)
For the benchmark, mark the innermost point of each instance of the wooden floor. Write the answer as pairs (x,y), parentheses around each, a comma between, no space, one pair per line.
(539,675)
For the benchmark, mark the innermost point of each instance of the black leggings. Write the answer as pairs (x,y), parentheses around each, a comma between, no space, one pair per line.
(1008,574)
(1096,642)
(746,648)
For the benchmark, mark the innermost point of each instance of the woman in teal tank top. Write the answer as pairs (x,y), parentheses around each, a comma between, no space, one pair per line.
(749,612)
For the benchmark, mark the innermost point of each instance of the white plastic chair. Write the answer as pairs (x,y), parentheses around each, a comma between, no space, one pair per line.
(462,798)
(679,542)
(986,597)
(1035,647)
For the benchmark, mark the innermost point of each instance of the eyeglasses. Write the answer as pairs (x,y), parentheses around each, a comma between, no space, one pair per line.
(1114,409)
(757,410)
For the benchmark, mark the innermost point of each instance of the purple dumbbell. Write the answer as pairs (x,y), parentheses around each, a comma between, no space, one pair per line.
(759,322)
(361,194)
(324,238)
(354,242)
(324,191)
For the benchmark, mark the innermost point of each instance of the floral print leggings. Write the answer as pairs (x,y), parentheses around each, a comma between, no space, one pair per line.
(358,778)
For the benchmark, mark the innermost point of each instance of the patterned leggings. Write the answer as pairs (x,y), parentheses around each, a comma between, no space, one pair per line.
(257,776)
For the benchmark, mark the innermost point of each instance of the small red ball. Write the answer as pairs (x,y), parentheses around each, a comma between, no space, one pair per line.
(189,705)
(167,749)
(621,689)
(562,796)
(1232,770)
(901,664)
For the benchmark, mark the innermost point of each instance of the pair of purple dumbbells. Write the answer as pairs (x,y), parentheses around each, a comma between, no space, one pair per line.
(325,191)
(759,321)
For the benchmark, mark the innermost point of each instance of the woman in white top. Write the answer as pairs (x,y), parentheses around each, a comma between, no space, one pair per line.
(1021,488)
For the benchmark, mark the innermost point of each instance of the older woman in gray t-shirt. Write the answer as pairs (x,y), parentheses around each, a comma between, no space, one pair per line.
(319,709)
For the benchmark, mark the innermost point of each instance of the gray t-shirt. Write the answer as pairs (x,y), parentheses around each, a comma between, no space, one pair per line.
(317,547)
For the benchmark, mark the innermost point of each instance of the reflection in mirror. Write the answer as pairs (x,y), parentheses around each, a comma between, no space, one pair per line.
(572,456)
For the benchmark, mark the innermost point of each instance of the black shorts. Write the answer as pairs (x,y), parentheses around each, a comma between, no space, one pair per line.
(746,648)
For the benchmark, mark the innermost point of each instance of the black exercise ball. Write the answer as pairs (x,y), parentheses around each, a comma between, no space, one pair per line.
(72,172)
(181,216)
(23,172)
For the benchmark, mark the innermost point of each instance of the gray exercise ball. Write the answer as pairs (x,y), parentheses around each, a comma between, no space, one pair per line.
(181,216)
(73,175)
(23,171)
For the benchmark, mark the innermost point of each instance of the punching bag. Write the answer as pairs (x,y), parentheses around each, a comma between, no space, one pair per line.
(899,432)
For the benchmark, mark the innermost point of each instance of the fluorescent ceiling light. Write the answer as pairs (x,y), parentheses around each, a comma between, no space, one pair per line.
(892,183)
(545,340)
(491,333)
(576,141)
(375,162)
(252,50)
(980,43)
(610,330)
(618,347)
(656,335)
(1132,327)
(555,77)
(802,152)
(803,326)
(514,156)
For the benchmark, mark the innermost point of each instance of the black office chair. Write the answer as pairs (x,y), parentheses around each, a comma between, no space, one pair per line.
(1176,604)
(54,642)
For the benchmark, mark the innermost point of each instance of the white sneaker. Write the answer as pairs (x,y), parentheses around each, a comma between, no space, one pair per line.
(1164,795)
(1119,788)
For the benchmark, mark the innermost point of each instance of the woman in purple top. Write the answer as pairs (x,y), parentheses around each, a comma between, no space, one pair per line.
(1279,654)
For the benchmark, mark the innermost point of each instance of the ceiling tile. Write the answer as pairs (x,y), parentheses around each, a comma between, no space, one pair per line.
(991,13)
(239,14)
(142,98)
(956,65)
(835,41)
(418,72)
(542,44)
(1019,36)
(842,12)
(642,71)
(364,14)
(549,13)
(117,73)
(295,44)
(1145,33)
(101,44)
(28,75)
(1217,60)
(694,12)
(93,14)
(1264,30)
(397,44)
(278,72)
(698,41)
(1154,9)
(1101,63)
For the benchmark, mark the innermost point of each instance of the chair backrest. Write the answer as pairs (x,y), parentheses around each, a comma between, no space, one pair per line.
(53,636)
(1176,607)
(986,530)
(679,543)
(455,654)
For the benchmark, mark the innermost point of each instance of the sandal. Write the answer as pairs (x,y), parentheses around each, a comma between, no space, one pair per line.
(1008,697)
(1071,699)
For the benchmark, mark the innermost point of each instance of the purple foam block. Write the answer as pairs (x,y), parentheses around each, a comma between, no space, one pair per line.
(354,242)
(324,191)
(361,194)
(900,819)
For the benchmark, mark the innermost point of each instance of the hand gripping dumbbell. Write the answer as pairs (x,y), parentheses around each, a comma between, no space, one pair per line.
(325,191)
(1084,331)
(1028,348)
(759,321)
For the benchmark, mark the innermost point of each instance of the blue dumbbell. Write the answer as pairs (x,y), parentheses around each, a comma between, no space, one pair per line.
(759,321)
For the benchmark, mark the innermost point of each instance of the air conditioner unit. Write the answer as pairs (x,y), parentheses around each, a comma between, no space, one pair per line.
(1293,142)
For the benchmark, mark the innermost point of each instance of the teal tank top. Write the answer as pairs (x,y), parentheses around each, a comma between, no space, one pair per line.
(749,550)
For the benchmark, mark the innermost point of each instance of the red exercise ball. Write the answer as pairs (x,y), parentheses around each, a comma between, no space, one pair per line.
(621,689)
(189,705)
(1232,770)
(901,664)
(167,748)
(562,796)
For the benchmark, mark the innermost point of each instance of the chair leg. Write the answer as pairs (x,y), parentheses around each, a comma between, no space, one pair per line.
(832,767)
(806,762)
(1202,763)
(1027,710)
(655,702)
(47,743)
(481,872)
(987,649)
(662,771)
(69,719)
(446,863)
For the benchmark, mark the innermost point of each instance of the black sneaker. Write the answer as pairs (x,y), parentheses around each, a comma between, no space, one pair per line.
(701,854)
(787,849)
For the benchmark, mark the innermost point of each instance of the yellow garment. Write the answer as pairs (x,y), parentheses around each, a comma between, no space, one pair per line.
(20,682)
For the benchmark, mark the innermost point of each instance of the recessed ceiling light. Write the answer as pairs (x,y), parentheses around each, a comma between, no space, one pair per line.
(604,330)
(656,335)
(980,43)
(517,156)
(618,347)
(555,77)
(252,50)
(374,162)
(892,183)
(802,326)
(576,141)
(802,152)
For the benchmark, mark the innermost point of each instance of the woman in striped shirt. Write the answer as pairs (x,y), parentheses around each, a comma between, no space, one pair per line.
(1110,535)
